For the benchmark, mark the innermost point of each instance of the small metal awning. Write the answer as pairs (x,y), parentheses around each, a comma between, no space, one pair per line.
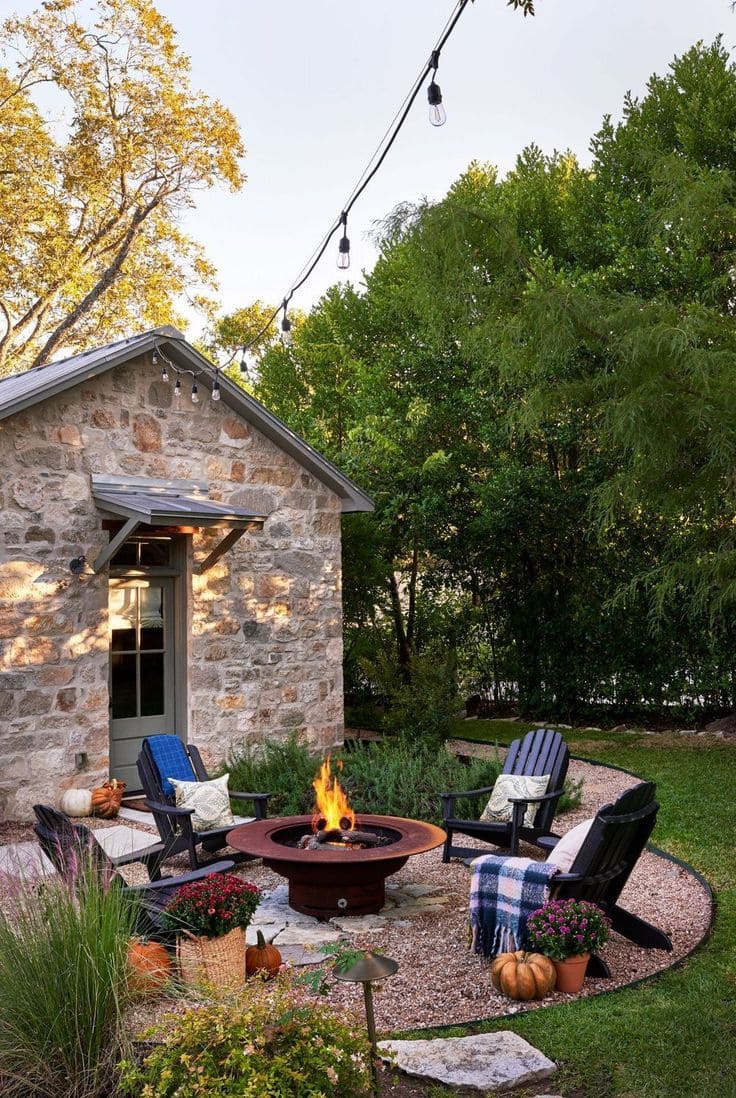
(168,503)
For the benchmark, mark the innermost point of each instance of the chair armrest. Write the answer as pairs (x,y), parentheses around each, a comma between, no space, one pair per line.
(467,793)
(535,800)
(260,802)
(169,809)
(186,878)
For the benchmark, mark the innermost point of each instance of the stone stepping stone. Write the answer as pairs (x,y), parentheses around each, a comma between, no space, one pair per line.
(486,1061)
(317,934)
(24,860)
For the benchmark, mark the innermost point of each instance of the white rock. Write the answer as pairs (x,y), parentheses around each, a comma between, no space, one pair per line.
(487,1061)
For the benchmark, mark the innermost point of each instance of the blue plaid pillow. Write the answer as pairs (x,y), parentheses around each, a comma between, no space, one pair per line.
(171,759)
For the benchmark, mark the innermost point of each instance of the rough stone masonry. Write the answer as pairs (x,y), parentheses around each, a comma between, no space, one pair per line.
(263,636)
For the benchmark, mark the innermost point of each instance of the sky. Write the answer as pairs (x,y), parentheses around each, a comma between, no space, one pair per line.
(314,84)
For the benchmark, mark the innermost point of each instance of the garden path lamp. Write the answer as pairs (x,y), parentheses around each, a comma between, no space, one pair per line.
(370,967)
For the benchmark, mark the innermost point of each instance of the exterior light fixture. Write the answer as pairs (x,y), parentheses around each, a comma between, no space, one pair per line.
(370,967)
(195,392)
(216,390)
(437,115)
(343,252)
(164,372)
(177,389)
(244,361)
(78,565)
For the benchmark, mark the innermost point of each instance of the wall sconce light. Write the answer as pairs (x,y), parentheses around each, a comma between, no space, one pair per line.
(78,565)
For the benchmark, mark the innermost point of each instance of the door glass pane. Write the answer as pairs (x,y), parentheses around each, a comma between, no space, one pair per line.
(152,617)
(122,674)
(126,555)
(123,612)
(152,685)
(157,551)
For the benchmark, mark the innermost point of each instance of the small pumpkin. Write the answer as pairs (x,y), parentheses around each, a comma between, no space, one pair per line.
(149,965)
(76,802)
(523,975)
(107,798)
(262,957)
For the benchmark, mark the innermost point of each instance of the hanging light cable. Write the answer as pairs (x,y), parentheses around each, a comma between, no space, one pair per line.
(369,172)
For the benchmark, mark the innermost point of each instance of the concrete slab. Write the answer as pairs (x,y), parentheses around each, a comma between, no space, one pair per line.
(24,860)
(484,1062)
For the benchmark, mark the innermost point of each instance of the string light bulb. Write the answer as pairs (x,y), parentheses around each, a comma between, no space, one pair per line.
(177,389)
(216,390)
(437,115)
(286,336)
(244,364)
(343,253)
(154,357)
(195,393)
(164,372)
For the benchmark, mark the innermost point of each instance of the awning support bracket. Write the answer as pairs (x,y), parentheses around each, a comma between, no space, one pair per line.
(222,547)
(109,551)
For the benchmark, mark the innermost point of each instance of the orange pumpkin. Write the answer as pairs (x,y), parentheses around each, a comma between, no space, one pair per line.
(523,975)
(107,798)
(149,965)
(262,957)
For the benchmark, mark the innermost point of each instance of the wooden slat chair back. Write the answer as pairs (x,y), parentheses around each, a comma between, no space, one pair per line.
(67,832)
(174,824)
(543,751)
(72,848)
(614,844)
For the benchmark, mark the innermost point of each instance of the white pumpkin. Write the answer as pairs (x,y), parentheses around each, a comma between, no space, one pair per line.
(77,802)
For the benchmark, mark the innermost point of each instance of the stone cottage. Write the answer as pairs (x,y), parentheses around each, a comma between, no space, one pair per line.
(169,562)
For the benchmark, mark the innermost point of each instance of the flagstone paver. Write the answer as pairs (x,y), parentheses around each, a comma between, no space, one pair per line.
(485,1061)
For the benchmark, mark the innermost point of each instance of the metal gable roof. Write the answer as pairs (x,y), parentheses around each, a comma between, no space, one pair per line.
(22,391)
(159,510)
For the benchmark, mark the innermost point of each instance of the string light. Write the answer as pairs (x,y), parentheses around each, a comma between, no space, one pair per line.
(343,253)
(286,336)
(216,390)
(164,372)
(437,117)
(177,390)
(195,392)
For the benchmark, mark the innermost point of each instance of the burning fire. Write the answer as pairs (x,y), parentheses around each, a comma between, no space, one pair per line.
(333,813)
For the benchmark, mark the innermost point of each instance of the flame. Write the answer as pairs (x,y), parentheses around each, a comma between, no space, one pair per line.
(332,811)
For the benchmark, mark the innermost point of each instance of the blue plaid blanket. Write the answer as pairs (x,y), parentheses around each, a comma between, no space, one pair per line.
(504,891)
(171,759)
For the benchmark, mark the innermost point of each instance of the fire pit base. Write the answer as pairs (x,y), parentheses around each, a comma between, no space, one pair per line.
(330,881)
(321,895)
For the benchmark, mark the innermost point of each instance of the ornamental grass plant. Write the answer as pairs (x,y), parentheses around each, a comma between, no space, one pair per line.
(213,906)
(566,928)
(63,984)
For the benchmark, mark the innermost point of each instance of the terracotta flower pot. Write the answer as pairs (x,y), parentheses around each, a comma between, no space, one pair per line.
(571,973)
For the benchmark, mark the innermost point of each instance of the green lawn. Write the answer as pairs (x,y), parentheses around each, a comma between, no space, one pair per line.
(675,1035)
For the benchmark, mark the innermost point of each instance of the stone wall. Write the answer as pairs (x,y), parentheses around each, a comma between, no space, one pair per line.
(265,644)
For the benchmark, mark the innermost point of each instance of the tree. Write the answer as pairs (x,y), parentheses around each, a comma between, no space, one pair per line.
(89,204)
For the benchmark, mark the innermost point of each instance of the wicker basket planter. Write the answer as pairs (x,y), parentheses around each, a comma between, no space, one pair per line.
(219,961)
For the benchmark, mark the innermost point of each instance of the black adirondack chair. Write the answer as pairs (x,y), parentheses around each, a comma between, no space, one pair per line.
(541,752)
(70,845)
(603,865)
(175,824)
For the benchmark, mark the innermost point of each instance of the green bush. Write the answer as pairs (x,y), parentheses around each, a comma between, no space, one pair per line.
(285,770)
(63,986)
(268,1044)
(397,777)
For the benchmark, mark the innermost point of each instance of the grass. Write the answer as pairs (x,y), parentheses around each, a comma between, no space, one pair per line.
(676,1035)
(63,986)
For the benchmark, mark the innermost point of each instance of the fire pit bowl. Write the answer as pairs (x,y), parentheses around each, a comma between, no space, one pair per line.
(336,880)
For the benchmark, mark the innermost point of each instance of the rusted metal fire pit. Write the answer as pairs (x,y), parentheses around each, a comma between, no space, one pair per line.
(340,879)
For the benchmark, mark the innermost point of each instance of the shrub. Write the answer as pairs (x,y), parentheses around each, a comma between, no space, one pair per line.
(267,1044)
(286,770)
(63,986)
(397,777)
